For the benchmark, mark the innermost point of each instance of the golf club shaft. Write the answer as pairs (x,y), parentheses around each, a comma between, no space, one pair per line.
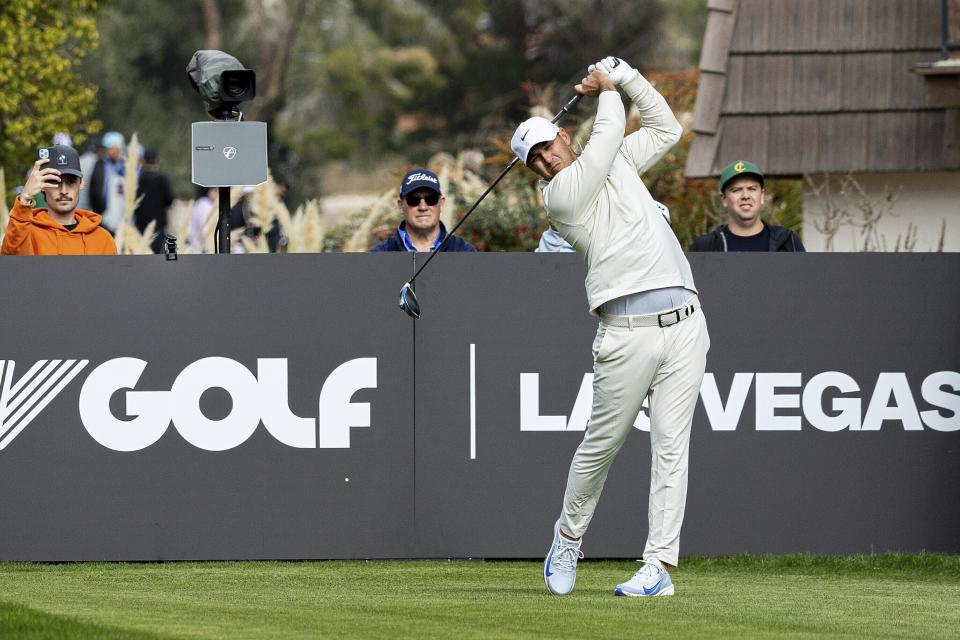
(566,108)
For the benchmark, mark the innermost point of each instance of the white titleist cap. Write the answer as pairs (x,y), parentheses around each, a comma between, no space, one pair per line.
(532,132)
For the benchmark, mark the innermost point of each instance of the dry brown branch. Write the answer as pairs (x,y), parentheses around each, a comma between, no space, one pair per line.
(851,206)
(908,240)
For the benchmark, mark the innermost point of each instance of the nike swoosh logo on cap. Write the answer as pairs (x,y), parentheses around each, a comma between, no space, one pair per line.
(524,136)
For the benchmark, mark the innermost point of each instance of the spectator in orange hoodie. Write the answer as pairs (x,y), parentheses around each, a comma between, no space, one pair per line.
(61,228)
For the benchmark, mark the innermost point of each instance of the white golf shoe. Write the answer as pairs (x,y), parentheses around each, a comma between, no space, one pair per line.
(560,566)
(651,580)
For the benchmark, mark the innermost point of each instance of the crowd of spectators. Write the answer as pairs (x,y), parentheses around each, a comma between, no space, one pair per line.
(102,171)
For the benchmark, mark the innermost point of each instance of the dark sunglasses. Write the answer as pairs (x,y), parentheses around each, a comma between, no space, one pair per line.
(414,201)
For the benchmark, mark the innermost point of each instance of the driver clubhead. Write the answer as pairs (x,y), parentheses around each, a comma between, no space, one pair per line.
(409,302)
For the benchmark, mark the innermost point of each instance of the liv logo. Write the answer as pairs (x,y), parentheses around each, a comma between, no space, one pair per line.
(20,402)
(256,398)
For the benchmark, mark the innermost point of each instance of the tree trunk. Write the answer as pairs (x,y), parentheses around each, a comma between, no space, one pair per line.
(212,24)
(277,33)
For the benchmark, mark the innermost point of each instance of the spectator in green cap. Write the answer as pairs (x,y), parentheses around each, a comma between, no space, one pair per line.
(741,189)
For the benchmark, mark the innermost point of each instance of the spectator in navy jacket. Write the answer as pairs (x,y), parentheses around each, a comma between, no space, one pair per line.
(420,204)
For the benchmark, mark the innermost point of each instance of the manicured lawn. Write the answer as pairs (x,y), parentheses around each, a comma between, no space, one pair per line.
(882,596)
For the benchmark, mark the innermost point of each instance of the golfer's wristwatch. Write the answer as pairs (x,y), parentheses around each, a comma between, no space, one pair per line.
(27,201)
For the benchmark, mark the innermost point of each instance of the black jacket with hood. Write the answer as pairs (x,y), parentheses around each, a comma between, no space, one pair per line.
(781,239)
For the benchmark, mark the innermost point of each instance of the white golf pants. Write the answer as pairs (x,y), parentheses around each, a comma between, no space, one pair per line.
(629,364)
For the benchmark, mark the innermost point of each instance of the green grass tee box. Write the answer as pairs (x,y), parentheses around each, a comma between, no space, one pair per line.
(881,596)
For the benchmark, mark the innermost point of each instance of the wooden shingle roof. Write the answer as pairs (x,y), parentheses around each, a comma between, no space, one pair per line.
(808,86)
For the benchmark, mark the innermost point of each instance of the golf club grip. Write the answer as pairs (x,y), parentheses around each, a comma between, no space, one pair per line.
(566,108)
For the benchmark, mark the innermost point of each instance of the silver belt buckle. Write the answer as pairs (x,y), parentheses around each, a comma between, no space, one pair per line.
(668,314)
(686,309)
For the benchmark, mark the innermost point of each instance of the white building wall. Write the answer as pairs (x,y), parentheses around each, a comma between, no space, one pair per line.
(920,205)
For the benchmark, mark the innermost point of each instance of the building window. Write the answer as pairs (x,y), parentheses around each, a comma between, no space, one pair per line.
(950,29)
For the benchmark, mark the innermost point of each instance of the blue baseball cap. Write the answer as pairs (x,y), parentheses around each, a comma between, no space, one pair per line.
(419,179)
(112,140)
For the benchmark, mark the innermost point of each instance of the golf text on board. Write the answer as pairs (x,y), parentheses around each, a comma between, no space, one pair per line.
(261,398)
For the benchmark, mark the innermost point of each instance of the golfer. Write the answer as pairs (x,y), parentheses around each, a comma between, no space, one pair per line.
(652,338)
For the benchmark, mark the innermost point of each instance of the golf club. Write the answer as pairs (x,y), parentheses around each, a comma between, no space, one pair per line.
(408,299)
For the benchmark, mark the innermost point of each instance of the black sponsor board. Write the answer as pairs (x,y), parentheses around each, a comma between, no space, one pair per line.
(450,465)
(64,496)
(751,490)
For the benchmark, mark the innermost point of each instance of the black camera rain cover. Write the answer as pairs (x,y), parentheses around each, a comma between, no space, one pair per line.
(204,71)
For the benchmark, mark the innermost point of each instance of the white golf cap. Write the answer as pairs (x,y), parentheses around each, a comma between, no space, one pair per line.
(532,132)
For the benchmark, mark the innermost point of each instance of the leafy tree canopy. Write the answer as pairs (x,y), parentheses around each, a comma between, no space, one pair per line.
(41,44)
(359,80)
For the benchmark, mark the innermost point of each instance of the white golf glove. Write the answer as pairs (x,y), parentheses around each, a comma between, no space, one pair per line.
(618,69)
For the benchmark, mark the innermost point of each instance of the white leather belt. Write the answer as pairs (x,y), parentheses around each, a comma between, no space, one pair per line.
(664,319)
